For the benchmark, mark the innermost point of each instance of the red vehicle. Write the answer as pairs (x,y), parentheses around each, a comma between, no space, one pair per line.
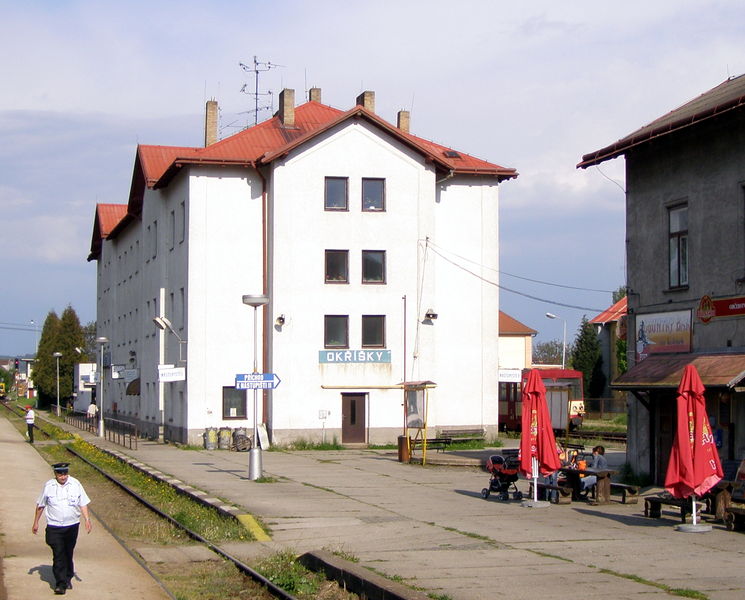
(564,396)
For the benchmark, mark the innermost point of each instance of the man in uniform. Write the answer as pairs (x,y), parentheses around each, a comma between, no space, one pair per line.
(62,500)
(30,416)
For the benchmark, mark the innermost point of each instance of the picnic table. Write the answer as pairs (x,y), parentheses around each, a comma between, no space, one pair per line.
(602,487)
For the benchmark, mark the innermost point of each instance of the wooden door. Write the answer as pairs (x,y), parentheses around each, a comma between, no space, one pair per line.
(353,418)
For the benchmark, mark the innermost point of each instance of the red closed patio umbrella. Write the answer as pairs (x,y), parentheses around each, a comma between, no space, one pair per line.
(694,466)
(537,442)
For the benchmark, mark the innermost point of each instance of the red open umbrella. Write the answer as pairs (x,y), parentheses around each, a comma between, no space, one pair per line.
(694,466)
(537,439)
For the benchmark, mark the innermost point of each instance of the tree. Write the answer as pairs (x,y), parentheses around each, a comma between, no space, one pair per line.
(619,293)
(587,357)
(548,353)
(62,335)
(89,342)
(44,372)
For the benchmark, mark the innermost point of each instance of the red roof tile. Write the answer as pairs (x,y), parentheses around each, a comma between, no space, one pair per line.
(614,313)
(271,139)
(510,326)
(107,217)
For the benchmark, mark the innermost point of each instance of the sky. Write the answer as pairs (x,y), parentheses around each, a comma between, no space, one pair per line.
(530,85)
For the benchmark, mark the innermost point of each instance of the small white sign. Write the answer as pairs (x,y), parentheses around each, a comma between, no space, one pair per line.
(129,375)
(510,375)
(168,373)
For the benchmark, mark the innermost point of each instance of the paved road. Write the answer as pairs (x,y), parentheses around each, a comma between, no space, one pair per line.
(429,526)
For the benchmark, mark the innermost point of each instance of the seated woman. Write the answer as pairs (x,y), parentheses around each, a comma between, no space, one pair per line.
(599,463)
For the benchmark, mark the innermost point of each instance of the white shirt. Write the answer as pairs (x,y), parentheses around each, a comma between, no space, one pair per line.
(92,410)
(30,417)
(62,502)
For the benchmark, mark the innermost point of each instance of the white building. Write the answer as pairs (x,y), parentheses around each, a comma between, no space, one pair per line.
(355,229)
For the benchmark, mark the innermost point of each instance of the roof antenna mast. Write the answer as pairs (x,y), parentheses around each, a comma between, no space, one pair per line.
(258,67)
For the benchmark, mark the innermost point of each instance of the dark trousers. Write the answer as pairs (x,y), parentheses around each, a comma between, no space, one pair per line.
(30,428)
(62,542)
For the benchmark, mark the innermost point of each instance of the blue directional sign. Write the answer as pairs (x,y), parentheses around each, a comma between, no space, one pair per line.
(256,381)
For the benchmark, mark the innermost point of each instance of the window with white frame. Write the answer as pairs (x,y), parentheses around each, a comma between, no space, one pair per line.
(336,331)
(678,236)
(373,331)
(373,195)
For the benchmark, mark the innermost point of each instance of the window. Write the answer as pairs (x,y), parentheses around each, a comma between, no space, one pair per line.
(337,266)
(373,331)
(336,331)
(373,266)
(373,194)
(336,194)
(678,219)
(182,221)
(154,241)
(233,403)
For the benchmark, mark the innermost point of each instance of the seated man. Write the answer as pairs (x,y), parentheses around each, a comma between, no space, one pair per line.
(599,463)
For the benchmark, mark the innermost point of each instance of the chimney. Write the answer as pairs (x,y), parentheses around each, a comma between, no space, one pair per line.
(210,123)
(287,107)
(314,94)
(403,120)
(367,99)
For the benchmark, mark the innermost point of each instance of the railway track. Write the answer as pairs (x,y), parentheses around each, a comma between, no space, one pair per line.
(606,436)
(274,590)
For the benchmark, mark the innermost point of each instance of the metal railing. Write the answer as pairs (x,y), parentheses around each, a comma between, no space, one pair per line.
(119,432)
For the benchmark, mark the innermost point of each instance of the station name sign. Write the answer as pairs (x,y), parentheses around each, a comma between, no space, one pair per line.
(354,356)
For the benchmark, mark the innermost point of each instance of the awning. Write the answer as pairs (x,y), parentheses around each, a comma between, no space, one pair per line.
(659,371)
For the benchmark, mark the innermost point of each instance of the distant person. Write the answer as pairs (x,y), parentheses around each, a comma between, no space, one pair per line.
(30,417)
(599,463)
(62,500)
(92,410)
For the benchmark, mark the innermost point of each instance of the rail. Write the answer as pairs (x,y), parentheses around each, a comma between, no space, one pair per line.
(119,432)
(607,436)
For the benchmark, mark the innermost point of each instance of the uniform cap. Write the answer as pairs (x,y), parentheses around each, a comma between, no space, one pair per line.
(61,467)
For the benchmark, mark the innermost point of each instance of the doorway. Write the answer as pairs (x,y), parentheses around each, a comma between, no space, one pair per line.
(353,418)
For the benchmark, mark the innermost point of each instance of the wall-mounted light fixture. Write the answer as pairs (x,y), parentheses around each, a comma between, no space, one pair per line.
(280,320)
(430,315)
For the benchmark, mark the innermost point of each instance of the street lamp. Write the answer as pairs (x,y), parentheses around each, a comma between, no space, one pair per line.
(564,342)
(101,341)
(57,355)
(254,455)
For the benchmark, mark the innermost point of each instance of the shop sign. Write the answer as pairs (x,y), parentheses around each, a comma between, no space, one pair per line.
(354,356)
(710,308)
(663,332)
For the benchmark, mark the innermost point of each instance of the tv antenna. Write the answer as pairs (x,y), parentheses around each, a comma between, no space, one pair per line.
(257,68)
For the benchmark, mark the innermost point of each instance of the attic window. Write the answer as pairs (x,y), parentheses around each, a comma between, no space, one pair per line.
(451,154)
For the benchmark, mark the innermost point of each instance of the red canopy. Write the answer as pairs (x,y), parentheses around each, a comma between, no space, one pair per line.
(537,438)
(694,466)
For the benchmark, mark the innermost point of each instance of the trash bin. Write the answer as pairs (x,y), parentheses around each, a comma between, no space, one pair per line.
(223,438)
(241,441)
(404,443)
(210,438)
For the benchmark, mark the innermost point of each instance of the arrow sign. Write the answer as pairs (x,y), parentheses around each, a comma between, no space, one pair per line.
(256,381)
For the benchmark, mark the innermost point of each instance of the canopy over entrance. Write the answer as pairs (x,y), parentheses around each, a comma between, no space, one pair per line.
(660,371)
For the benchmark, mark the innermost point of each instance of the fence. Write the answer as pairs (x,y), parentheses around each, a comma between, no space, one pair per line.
(120,432)
(604,408)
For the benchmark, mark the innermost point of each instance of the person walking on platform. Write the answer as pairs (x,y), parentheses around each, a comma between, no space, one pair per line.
(30,416)
(62,500)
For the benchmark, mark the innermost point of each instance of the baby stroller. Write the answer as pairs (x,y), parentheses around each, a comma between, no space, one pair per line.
(503,471)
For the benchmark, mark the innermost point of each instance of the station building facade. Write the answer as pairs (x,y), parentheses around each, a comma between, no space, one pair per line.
(685,256)
(378,252)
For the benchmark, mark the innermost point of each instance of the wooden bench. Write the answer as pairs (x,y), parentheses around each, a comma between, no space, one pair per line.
(653,506)
(734,518)
(564,495)
(439,443)
(468,434)
(629,493)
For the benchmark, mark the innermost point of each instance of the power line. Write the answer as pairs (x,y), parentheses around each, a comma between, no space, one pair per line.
(506,289)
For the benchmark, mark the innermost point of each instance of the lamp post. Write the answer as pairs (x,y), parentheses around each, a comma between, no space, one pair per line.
(564,342)
(101,341)
(254,455)
(57,355)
